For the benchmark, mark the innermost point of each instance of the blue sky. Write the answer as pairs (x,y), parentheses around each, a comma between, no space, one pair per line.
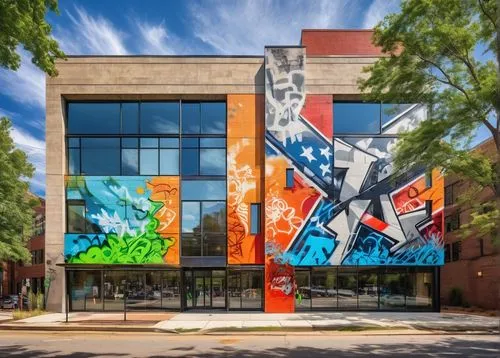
(120,27)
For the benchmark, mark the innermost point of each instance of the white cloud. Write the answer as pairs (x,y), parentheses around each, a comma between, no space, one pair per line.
(89,34)
(35,149)
(154,39)
(378,10)
(245,27)
(26,85)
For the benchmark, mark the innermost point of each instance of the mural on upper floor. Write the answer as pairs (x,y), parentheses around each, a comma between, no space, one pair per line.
(128,220)
(244,133)
(346,207)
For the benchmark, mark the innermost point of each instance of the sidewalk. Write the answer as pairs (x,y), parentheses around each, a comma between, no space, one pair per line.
(203,323)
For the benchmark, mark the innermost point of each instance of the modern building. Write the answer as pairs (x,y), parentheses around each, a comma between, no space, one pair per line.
(472,264)
(16,275)
(236,183)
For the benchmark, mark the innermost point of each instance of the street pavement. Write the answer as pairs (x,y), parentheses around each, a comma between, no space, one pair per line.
(314,344)
(238,322)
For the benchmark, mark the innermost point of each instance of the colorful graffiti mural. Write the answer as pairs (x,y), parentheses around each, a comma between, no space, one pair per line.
(244,136)
(126,220)
(346,207)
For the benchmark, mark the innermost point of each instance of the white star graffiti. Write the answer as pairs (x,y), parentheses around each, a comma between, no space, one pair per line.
(325,152)
(308,154)
(325,168)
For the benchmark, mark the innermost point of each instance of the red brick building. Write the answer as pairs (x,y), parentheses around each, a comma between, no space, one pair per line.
(33,273)
(471,264)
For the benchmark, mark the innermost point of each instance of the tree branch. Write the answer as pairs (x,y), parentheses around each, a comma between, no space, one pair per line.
(488,15)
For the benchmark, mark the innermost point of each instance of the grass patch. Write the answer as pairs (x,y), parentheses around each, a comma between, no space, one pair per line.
(18,314)
(186,330)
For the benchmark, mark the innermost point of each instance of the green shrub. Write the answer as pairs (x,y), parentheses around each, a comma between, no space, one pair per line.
(40,301)
(456,297)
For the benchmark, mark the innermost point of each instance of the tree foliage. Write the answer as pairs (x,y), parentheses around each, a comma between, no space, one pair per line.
(22,22)
(445,53)
(16,203)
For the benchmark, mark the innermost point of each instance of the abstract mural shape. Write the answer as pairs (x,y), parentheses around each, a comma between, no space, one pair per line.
(244,134)
(357,212)
(131,220)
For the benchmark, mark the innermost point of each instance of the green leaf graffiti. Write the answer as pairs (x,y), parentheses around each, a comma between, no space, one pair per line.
(147,247)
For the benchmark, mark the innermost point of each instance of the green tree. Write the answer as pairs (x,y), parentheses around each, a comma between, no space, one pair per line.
(435,54)
(16,203)
(22,22)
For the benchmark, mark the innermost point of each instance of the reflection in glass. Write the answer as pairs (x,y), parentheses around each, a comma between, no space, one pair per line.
(367,289)
(85,287)
(191,244)
(76,220)
(214,216)
(190,118)
(190,161)
(391,110)
(212,162)
(169,162)
(160,117)
(170,292)
(73,161)
(203,190)
(130,161)
(356,117)
(100,156)
(419,293)
(149,162)
(115,285)
(214,244)
(392,286)
(213,117)
(130,118)
(347,286)
(303,292)
(190,217)
(93,118)
(324,288)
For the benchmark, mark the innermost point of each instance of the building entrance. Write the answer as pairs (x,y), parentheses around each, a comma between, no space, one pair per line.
(204,289)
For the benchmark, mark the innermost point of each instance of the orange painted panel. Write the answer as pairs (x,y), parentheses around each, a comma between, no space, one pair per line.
(166,191)
(244,172)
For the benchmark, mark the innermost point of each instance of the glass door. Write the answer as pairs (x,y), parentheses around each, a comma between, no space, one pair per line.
(204,289)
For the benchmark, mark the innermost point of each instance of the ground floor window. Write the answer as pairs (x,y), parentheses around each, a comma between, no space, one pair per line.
(364,288)
(108,290)
(245,289)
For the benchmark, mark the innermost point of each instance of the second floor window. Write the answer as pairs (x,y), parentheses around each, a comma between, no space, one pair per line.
(452,222)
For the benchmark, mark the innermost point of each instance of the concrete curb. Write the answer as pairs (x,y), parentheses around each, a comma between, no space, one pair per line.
(361,330)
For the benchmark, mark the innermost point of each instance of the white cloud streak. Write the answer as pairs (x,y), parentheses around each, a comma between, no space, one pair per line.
(245,27)
(26,85)
(378,10)
(90,35)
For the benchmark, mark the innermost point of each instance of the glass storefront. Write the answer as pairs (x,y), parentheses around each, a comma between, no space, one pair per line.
(365,289)
(318,289)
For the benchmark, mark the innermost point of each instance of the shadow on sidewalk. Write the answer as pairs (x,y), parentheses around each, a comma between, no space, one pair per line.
(453,346)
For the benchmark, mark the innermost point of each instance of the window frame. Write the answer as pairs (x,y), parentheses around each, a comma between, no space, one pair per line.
(75,202)
(456,250)
(258,218)
(202,231)
(451,217)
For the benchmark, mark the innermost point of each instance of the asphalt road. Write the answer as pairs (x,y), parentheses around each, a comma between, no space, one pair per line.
(100,344)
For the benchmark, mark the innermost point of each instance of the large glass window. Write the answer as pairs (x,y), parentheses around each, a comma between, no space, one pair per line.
(93,118)
(115,287)
(203,228)
(347,289)
(356,118)
(85,291)
(419,292)
(324,288)
(76,220)
(100,156)
(160,117)
(213,117)
(245,289)
(191,118)
(203,156)
(304,291)
(130,118)
(392,287)
(203,190)
(367,288)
